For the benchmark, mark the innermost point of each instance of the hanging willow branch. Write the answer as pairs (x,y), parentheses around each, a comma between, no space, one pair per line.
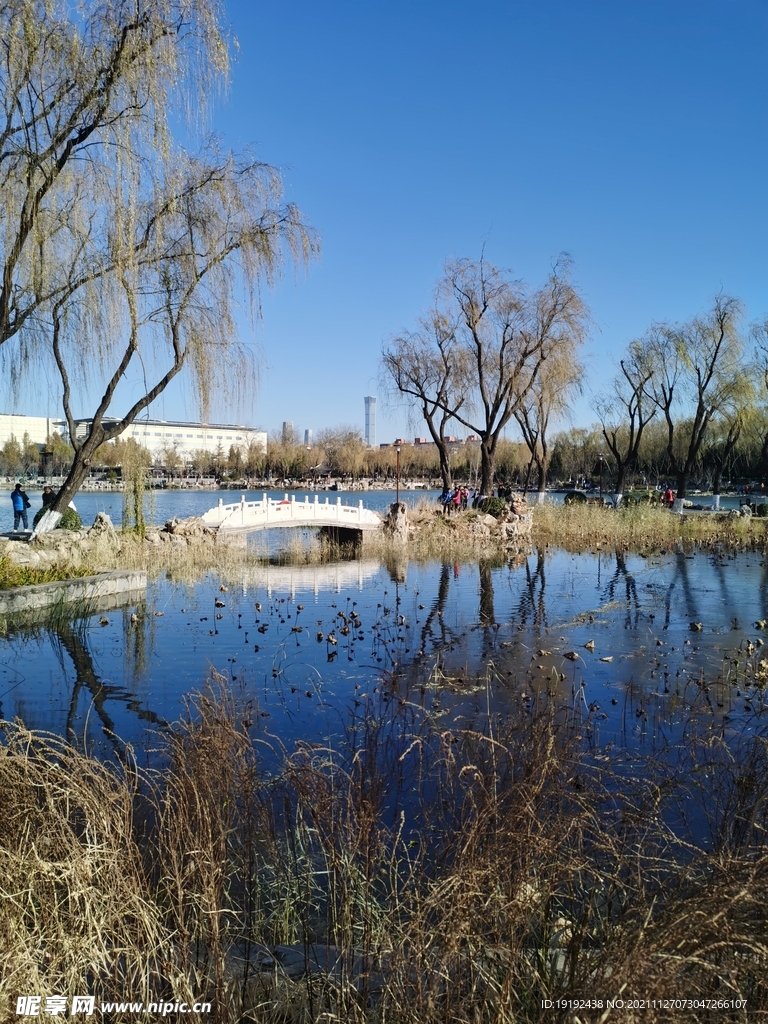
(117,246)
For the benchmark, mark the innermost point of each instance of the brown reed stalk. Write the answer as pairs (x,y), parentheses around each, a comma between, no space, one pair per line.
(415,873)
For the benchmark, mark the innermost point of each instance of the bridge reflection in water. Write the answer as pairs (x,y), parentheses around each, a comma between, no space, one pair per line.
(247,516)
(294,579)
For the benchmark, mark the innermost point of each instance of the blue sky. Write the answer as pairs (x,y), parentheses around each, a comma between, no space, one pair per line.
(630,134)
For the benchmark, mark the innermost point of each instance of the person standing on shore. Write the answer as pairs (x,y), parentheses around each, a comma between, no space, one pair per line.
(20,505)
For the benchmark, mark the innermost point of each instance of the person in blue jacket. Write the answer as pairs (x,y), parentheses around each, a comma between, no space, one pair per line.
(20,505)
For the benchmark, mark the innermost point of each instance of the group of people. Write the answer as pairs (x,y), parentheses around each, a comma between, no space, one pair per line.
(458,500)
(21,503)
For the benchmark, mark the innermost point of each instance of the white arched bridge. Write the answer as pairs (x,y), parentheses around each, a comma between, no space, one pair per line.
(247,516)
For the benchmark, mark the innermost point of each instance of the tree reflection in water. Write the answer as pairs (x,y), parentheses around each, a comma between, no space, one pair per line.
(70,637)
(436,634)
(487,617)
(532,607)
(631,599)
(437,626)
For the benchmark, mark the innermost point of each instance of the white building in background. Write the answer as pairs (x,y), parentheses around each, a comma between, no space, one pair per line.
(370,421)
(39,428)
(186,438)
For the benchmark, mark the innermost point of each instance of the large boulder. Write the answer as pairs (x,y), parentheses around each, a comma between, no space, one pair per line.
(102,527)
(193,527)
(480,527)
(396,521)
(62,541)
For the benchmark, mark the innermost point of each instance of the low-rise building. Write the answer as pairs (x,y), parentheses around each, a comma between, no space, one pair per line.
(185,438)
(38,428)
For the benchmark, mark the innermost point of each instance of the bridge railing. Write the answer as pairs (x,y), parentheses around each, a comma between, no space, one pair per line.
(273,512)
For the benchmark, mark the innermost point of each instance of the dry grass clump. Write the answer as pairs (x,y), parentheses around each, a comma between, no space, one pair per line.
(182,562)
(13,575)
(416,875)
(188,562)
(578,526)
(73,887)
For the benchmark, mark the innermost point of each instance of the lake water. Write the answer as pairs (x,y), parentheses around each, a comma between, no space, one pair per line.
(161,505)
(459,640)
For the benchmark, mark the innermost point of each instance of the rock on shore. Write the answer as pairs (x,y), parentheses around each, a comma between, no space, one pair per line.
(182,532)
(513,524)
(59,545)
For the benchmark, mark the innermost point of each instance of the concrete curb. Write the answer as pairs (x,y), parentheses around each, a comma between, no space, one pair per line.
(85,589)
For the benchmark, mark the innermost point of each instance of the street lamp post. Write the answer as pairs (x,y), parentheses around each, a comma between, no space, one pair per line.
(397,478)
(601,476)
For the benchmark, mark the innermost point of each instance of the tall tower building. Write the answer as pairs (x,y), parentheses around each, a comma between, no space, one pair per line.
(370,421)
(308,438)
(287,431)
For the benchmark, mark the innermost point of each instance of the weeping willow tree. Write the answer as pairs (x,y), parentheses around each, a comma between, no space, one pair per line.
(118,247)
(694,372)
(136,467)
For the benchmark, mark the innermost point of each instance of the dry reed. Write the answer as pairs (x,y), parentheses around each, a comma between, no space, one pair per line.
(415,874)
(641,527)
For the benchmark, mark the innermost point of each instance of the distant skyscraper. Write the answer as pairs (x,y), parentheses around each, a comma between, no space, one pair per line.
(370,421)
(287,431)
(308,438)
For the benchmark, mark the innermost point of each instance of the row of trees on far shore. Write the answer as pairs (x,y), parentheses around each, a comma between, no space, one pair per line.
(727,455)
(687,399)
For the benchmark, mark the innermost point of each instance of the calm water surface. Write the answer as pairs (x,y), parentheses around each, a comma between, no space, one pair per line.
(162,505)
(421,634)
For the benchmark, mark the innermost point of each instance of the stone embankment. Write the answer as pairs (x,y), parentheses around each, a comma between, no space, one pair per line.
(104,590)
(59,546)
(62,546)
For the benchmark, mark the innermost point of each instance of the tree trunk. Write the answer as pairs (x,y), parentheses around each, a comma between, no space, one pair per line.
(541,471)
(78,471)
(717,476)
(618,492)
(487,467)
(445,467)
(541,482)
(682,482)
(527,477)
